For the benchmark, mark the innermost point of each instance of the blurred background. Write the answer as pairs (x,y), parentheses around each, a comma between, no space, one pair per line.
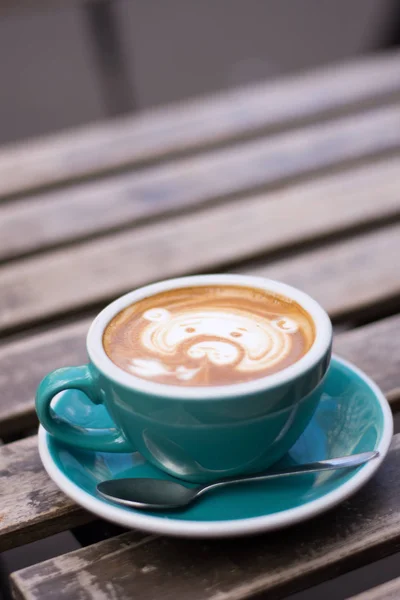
(64,64)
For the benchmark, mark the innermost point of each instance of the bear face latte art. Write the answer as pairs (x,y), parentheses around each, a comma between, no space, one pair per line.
(207,336)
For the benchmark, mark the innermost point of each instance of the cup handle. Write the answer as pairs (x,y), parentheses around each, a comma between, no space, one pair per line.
(78,378)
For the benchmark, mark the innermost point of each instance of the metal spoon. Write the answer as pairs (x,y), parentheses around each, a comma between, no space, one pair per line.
(159,494)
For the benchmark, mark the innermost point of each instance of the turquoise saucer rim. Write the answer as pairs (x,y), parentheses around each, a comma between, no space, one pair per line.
(225,528)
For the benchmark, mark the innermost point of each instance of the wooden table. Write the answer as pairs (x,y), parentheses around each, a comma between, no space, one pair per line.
(297,180)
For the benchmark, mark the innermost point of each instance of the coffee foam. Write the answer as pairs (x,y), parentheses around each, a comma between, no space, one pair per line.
(210,335)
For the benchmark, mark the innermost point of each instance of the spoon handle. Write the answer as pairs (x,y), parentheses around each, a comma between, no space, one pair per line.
(344,462)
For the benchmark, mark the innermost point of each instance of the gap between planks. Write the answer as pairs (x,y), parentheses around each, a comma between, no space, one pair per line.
(387,591)
(192,126)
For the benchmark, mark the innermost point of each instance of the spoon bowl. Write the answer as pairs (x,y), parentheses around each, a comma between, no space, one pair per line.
(146,493)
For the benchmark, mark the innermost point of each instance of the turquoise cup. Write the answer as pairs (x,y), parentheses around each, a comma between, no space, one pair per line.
(197,434)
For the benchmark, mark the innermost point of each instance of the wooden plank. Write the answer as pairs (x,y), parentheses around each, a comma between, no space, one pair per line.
(173,131)
(365,345)
(349,278)
(387,591)
(25,362)
(362,528)
(31,506)
(133,198)
(30,500)
(93,272)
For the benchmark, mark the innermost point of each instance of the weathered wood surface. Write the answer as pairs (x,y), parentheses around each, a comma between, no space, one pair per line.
(361,529)
(32,507)
(173,131)
(83,211)
(91,273)
(374,348)
(387,591)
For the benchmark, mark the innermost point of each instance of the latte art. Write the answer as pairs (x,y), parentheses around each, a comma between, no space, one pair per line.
(224,338)
(208,336)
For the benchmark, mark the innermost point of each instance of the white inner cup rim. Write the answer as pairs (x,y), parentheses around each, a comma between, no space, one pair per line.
(104,364)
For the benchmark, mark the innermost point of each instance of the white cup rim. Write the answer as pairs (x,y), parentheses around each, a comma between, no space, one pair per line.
(103,363)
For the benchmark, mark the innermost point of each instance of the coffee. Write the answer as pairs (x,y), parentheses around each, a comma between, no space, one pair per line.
(209,335)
